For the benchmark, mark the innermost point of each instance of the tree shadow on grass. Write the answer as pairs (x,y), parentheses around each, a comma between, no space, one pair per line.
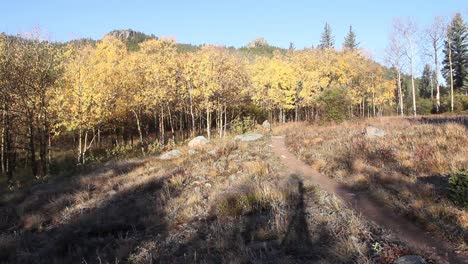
(297,241)
(242,239)
(462,120)
(410,225)
(106,232)
(65,185)
(126,221)
(439,183)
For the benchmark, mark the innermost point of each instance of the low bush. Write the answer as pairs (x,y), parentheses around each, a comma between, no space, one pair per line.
(425,106)
(242,125)
(458,188)
(334,102)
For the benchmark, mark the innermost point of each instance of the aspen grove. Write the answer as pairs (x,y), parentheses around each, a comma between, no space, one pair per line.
(84,96)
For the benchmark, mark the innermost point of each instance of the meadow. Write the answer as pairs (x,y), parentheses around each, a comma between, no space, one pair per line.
(413,169)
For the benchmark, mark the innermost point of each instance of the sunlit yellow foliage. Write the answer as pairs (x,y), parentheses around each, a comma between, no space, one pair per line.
(274,82)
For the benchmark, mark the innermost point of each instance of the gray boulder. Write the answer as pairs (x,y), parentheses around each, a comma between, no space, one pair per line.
(266,125)
(410,259)
(213,152)
(198,141)
(233,177)
(372,132)
(175,153)
(248,137)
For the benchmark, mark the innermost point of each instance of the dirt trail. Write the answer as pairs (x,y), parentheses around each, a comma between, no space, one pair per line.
(405,230)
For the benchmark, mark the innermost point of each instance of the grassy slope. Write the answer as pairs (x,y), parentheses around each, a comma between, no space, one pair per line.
(231,206)
(406,170)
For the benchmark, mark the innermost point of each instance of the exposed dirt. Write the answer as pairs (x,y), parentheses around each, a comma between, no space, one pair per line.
(435,248)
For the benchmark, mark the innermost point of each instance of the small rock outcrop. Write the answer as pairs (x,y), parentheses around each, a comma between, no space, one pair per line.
(213,152)
(248,137)
(410,259)
(198,142)
(372,132)
(175,153)
(266,125)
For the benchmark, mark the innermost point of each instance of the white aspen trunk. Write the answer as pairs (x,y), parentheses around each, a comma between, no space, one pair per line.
(84,147)
(437,85)
(80,155)
(99,136)
(412,77)
(400,93)
(191,111)
(161,126)
(432,90)
(142,145)
(156,125)
(49,152)
(171,123)
(451,76)
(225,120)
(220,122)
(373,102)
(208,122)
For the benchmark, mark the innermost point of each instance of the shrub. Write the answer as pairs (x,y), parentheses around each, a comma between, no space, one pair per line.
(63,163)
(458,188)
(155,147)
(460,103)
(121,151)
(334,102)
(425,106)
(239,204)
(242,125)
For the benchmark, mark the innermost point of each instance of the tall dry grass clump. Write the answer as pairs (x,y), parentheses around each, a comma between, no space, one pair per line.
(408,169)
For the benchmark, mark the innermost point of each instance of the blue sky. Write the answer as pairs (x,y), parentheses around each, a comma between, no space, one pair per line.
(224,22)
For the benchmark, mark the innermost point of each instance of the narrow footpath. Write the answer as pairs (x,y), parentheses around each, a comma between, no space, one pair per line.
(434,247)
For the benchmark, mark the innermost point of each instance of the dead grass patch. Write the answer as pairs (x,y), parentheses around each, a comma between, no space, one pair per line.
(393,168)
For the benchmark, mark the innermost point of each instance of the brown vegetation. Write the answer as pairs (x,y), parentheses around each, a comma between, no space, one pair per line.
(231,205)
(406,170)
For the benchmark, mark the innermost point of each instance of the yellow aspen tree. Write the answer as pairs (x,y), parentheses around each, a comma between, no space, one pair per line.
(160,68)
(275,79)
(92,84)
(78,100)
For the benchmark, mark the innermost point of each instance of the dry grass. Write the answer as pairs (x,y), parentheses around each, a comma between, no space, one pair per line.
(231,205)
(407,169)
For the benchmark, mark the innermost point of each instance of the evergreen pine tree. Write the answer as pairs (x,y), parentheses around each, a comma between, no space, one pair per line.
(457,34)
(327,41)
(465,85)
(425,82)
(350,40)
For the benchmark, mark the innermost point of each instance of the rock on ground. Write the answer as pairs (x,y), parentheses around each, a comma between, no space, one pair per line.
(372,132)
(410,259)
(266,125)
(198,141)
(175,153)
(213,152)
(248,137)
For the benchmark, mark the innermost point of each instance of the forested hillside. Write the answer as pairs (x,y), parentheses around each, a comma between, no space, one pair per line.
(131,90)
(90,93)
